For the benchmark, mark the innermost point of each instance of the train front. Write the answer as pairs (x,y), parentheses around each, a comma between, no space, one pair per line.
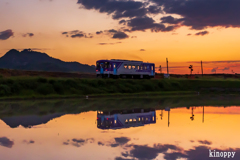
(103,68)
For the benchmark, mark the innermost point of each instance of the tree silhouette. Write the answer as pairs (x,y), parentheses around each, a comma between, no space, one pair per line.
(160,69)
(191,69)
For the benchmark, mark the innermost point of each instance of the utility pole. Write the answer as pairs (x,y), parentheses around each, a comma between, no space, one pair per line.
(167,66)
(202,68)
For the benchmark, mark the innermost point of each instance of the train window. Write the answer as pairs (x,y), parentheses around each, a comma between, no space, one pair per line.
(138,67)
(139,119)
(130,120)
(129,66)
(152,68)
(110,66)
(101,65)
(125,66)
(115,121)
(133,67)
(134,120)
(141,67)
(114,65)
(106,65)
(153,118)
(145,67)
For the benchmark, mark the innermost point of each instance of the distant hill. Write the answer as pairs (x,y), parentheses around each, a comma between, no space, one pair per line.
(37,61)
(32,120)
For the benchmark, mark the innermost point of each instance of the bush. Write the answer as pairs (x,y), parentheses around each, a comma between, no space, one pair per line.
(42,80)
(45,89)
(16,87)
(5,90)
(58,87)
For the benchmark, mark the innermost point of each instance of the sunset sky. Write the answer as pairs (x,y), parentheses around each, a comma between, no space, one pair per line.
(184,31)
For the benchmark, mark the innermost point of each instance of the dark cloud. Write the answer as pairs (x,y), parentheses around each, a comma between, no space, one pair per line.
(99,32)
(112,31)
(196,14)
(143,152)
(109,43)
(120,35)
(65,143)
(200,153)
(226,68)
(114,145)
(28,35)
(214,69)
(78,142)
(122,140)
(100,143)
(134,37)
(144,23)
(123,21)
(77,34)
(171,20)
(142,50)
(202,33)
(200,14)
(29,142)
(131,13)
(154,9)
(189,34)
(118,9)
(4,35)
(5,142)
(120,158)
(205,142)
(126,154)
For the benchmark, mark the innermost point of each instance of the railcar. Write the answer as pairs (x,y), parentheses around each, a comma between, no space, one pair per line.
(116,68)
(125,118)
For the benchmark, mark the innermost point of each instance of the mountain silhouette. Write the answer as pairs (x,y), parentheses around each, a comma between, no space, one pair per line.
(29,121)
(37,61)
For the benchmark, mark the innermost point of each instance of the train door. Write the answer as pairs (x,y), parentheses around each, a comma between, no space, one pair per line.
(101,68)
(114,69)
(152,70)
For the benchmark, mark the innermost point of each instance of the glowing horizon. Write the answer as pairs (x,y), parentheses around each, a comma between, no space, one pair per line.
(77,31)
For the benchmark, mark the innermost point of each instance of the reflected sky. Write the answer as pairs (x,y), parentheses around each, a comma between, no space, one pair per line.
(174,136)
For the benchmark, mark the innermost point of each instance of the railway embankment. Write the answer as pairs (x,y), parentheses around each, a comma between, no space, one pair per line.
(39,87)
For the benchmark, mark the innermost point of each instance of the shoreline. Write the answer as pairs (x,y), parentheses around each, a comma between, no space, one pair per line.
(120,95)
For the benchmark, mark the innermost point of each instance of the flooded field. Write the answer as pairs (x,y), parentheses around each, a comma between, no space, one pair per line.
(150,131)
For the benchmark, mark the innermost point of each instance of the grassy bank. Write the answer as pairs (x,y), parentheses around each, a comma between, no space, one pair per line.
(34,87)
(43,107)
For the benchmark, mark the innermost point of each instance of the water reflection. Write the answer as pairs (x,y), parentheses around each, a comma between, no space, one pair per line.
(29,121)
(118,119)
(137,134)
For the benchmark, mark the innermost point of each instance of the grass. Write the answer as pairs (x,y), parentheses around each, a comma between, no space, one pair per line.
(39,87)
(43,107)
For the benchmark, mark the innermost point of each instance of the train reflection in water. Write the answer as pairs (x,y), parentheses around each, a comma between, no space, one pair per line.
(125,118)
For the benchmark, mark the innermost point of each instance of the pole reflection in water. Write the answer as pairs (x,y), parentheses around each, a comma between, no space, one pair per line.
(192,117)
(161,115)
(118,119)
(203,115)
(168,109)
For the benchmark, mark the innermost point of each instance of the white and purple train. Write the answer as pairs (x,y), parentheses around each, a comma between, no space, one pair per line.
(125,118)
(116,68)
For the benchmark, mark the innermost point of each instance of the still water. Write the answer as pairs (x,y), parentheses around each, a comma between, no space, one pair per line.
(170,133)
